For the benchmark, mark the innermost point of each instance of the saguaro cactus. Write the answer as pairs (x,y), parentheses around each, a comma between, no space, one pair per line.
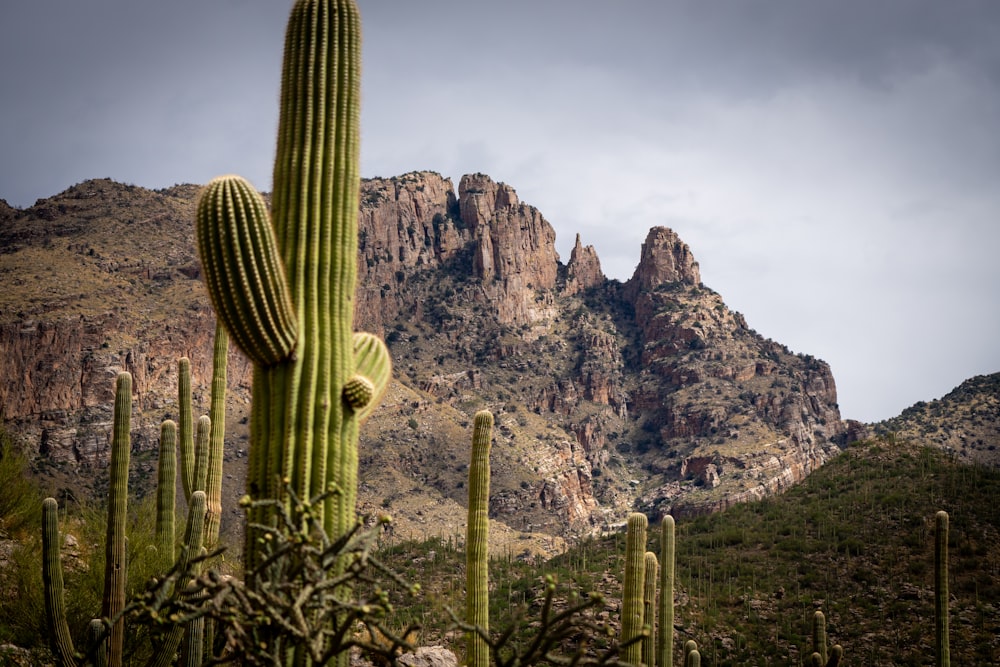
(942,643)
(284,288)
(665,637)
(819,635)
(185,426)
(477,539)
(114,549)
(55,606)
(166,492)
(217,437)
(632,607)
(649,609)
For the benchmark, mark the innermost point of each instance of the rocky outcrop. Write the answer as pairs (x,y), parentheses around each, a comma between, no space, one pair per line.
(583,271)
(664,259)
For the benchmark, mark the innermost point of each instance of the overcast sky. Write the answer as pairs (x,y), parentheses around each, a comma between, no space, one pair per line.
(834,166)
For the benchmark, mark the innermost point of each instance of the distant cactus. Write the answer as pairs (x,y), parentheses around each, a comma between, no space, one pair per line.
(819,635)
(692,658)
(217,437)
(942,642)
(632,605)
(166,491)
(185,426)
(665,637)
(649,609)
(477,540)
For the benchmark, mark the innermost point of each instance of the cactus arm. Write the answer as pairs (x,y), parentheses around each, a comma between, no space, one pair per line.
(693,659)
(943,649)
(373,363)
(836,653)
(243,271)
(477,540)
(631,614)
(665,638)
(166,491)
(55,605)
(201,444)
(217,437)
(649,608)
(185,426)
(115,571)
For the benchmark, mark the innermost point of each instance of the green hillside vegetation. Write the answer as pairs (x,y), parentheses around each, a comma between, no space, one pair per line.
(855,540)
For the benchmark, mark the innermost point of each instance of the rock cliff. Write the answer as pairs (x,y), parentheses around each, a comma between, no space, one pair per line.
(609,396)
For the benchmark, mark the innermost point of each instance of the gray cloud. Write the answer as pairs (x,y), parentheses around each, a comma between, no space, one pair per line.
(832,165)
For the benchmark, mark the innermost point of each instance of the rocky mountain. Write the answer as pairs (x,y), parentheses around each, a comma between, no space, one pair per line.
(964,422)
(648,394)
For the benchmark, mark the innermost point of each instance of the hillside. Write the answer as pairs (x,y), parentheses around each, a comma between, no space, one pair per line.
(609,396)
(964,422)
(855,540)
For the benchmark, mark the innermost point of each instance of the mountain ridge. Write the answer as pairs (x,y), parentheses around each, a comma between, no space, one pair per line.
(609,396)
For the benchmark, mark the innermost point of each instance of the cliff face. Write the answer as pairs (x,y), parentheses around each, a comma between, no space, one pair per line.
(608,396)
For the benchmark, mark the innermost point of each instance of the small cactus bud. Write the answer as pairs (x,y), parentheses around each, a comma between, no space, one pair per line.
(358,392)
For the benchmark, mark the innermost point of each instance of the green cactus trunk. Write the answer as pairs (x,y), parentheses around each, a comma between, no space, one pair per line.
(635,568)
(665,636)
(477,540)
(285,289)
(185,426)
(114,549)
(52,579)
(943,648)
(217,437)
(649,609)
(166,493)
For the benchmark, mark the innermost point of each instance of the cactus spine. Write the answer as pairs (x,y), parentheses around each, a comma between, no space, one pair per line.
(185,426)
(665,637)
(632,607)
(285,288)
(649,609)
(114,573)
(477,540)
(166,492)
(943,649)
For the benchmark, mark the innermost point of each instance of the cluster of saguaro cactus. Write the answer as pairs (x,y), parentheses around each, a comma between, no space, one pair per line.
(107,641)
(284,286)
(642,616)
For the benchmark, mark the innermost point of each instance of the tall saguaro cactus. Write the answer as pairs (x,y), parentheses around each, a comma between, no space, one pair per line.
(665,637)
(284,287)
(632,606)
(477,539)
(114,549)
